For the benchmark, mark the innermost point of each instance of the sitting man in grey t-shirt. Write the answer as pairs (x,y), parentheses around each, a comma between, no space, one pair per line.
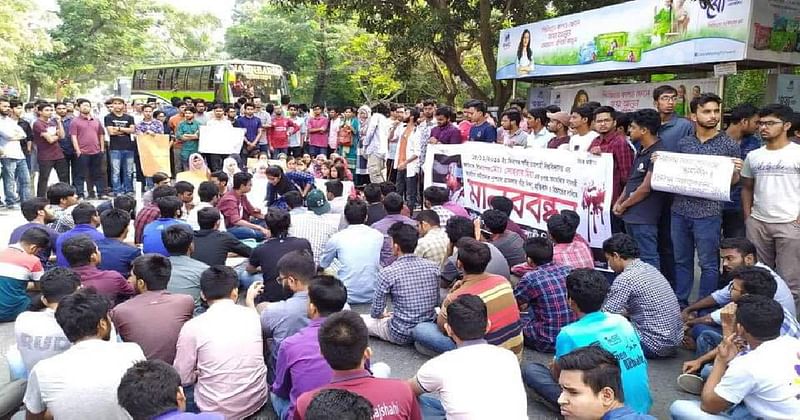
(460,227)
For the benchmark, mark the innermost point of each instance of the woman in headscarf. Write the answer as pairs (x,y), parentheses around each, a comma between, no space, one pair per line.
(278,185)
(348,137)
(198,170)
(230,167)
(362,175)
(260,186)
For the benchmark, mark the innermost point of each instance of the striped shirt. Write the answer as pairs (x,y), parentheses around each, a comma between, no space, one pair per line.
(497,294)
(17,268)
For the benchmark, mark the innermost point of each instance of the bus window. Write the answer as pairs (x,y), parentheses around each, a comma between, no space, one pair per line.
(169,74)
(208,78)
(160,84)
(180,78)
(137,79)
(194,80)
(151,79)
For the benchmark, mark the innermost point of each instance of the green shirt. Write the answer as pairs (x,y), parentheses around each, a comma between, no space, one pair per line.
(189,146)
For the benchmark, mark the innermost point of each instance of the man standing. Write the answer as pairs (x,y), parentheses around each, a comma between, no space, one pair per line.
(253,131)
(744,124)
(279,134)
(49,155)
(65,141)
(217,118)
(559,126)
(538,134)
(297,138)
(317,132)
(376,143)
(445,131)
(407,162)
(580,121)
(696,222)
(612,141)
(513,135)
(120,127)
(14,167)
(771,196)
(188,134)
(481,130)
(88,140)
(200,115)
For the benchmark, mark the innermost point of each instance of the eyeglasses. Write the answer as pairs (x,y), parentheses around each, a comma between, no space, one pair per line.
(768,123)
(668,98)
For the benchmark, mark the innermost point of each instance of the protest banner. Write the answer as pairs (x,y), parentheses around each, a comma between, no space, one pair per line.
(221,140)
(693,175)
(154,153)
(539,182)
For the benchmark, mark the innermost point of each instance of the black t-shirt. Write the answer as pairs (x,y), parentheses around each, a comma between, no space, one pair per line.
(647,211)
(212,247)
(122,141)
(375,212)
(266,256)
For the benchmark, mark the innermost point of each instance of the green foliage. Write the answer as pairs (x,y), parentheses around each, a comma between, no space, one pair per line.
(747,86)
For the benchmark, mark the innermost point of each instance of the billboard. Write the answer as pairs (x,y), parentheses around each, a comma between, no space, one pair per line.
(634,35)
(775,32)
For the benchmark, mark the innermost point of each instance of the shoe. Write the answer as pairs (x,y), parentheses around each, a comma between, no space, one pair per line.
(424,350)
(691,383)
(104,197)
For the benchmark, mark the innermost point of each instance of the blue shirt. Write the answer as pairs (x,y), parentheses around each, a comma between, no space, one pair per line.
(151,239)
(117,256)
(66,141)
(485,133)
(625,413)
(673,130)
(614,333)
(359,264)
(747,145)
(251,126)
(87,230)
(44,255)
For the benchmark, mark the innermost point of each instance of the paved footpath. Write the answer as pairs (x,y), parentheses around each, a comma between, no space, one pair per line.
(405,360)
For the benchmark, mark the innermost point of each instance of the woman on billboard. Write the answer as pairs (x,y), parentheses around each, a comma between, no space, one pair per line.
(524,54)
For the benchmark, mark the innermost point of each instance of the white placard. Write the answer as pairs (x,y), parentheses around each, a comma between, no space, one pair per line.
(724,69)
(701,176)
(221,140)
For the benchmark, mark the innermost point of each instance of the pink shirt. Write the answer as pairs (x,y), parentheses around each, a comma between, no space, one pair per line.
(318,139)
(222,351)
(89,132)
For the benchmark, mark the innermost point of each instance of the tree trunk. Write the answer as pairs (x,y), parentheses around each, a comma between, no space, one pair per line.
(501,90)
(323,66)
(33,89)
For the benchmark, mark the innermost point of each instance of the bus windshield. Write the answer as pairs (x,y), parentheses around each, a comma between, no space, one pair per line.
(255,81)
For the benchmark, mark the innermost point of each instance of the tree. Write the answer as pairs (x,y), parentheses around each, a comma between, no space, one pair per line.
(180,35)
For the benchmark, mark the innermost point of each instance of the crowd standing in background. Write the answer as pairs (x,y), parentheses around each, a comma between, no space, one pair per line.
(227,291)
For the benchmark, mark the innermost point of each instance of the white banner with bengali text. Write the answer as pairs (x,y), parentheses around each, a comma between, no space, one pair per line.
(221,140)
(539,182)
(693,175)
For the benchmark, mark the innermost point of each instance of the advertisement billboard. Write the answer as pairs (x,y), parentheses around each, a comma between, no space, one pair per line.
(634,35)
(775,32)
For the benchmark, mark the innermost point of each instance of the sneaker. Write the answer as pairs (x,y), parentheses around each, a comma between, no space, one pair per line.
(424,350)
(691,383)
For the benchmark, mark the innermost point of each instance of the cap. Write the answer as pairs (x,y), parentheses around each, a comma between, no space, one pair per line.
(560,116)
(316,202)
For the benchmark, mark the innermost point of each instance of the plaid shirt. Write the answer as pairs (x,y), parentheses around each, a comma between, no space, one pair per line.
(413,284)
(616,144)
(145,216)
(63,218)
(575,254)
(642,292)
(433,246)
(544,290)
(313,228)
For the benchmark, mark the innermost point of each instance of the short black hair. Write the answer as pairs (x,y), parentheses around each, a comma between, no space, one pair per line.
(756,281)
(657,92)
(784,112)
(327,293)
(761,316)
(561,229)
(355,212)
(58,282)
(338,404)
(114,222)
(78,250)
(36,236)
(405,236)
(743,111)
(335,187)
(623,120)
(446,111)
(125,202)
(459,227)
(605,110)
(552,109)
(207,191)
(428,216)
(343,338)
(388,187)
(587,288)
(148,389)
(742,245)
(218,281)
(153,269)
(584,111)
(59,191)
(495,220)
(169,206)
(502,203)
(277,221)
(298,264)
(208,217)
(647,118)
(293,199)
(479,105)
(467,317)
(177,239)
(83,213)
(474,255)
(703,99)
(539,250)
(599,366)
(164,191)
(622,244)
(79,314)
(31,207)
(393,203)
(373,193)
(436,195)
(241,179)
(513,115)
(184,187)
(220,175)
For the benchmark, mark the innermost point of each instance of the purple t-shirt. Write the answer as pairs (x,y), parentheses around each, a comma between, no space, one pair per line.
(448,134)
(318,139)
(45,150)
(89,132)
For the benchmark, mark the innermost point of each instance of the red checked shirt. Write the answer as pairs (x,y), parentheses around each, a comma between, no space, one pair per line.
(616,144)
(279,132)
(575,254)
(145,216)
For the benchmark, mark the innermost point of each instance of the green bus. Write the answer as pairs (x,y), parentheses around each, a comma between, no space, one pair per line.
(215,81)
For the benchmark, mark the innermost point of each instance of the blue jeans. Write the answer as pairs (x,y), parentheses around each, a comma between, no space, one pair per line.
(704,234)
(246,279)
(16,180)
(431,407)
(279,404)
(708,340)
(241,232)
(277,151)
(646,236)
(122,161)
(539,378)
(316,150)
(428,335)
(690,409)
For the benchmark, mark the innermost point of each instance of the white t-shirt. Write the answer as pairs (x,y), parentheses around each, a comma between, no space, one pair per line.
(766,379)
(539,140)
(39,336)
(581,143)
(776,194)
(476,381)
(82,382)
